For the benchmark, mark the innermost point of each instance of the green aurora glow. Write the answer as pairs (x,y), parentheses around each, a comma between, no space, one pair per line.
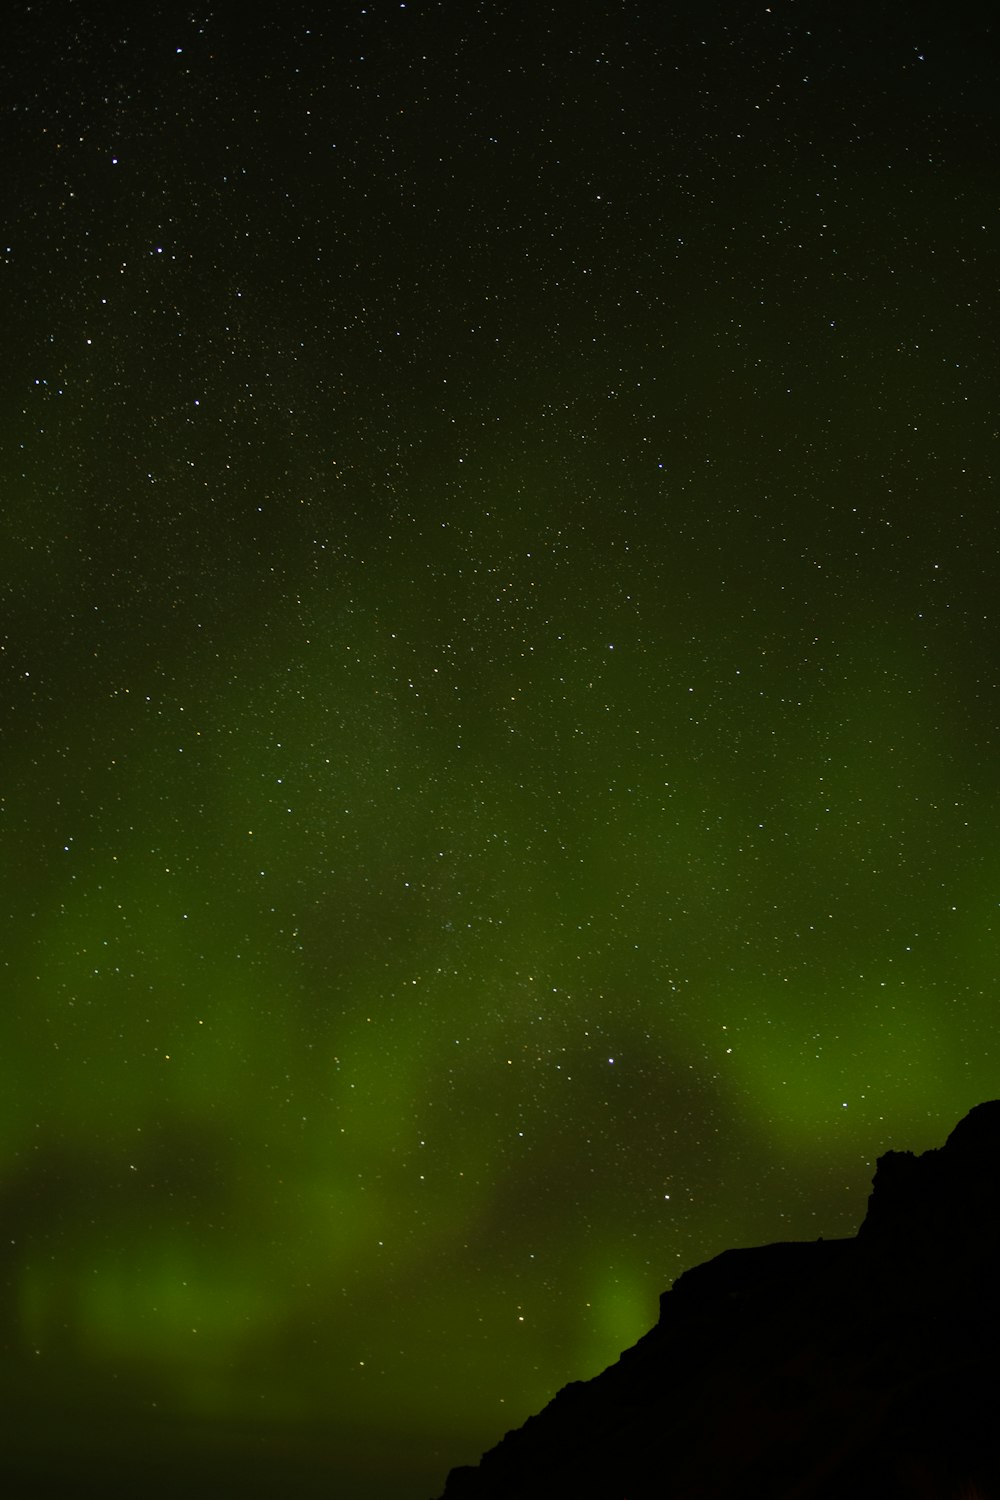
(500,723)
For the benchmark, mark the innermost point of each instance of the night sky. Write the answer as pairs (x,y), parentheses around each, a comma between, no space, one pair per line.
(499,725)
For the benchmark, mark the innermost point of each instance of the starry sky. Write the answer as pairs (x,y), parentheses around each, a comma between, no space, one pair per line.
(499,715)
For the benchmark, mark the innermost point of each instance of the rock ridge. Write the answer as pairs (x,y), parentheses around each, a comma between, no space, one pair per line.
(805,1370)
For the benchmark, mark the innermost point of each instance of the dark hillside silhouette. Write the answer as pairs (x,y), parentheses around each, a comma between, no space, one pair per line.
(862,1368)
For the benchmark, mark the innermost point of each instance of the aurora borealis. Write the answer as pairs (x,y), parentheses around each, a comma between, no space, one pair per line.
(499,736)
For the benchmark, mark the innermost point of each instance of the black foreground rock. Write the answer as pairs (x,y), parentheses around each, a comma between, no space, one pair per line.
(826,1370)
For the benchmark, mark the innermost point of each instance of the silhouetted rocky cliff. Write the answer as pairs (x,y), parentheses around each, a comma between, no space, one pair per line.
(826,1370)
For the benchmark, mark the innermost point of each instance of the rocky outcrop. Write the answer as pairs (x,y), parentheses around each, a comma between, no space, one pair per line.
(822,1370)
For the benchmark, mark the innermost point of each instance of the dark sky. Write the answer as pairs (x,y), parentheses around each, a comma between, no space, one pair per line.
(499,727)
